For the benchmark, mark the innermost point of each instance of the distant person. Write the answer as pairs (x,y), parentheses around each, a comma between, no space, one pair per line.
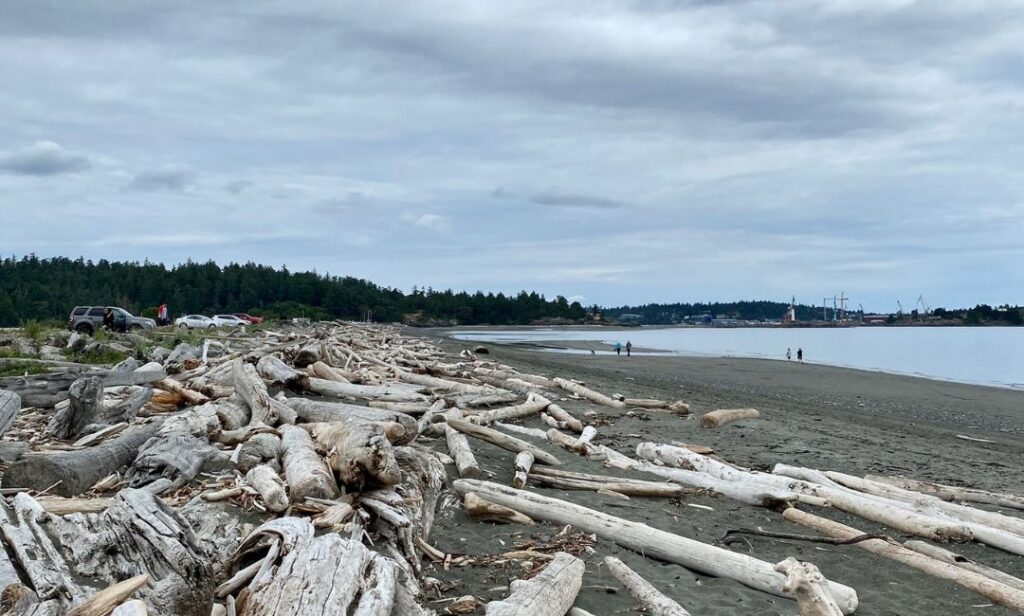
(161,315)
(789,354)
(629,348)
(618,348)
(108,319)
(800,355)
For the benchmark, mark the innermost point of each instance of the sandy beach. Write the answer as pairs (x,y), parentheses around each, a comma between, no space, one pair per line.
(817,416)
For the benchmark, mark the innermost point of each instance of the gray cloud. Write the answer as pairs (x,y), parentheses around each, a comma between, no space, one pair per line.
(164,178)
(572,200)
(773,148)
(43,158)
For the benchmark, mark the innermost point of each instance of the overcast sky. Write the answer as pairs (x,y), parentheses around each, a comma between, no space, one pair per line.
(625,153)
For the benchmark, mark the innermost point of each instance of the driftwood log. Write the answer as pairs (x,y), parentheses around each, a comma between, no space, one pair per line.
(651,600)
(10,404)
(69,473)
(509,443)
(810,587)
(589,394)
(650,541)
(357,449)
(717,419)
(550,593)
(316,411)
(305,471)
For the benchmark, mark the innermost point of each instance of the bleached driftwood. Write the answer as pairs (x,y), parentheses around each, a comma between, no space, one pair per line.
(302,575)
(390,392)
(104,602)
(307,355)
(444,385)
(264,409)
(810,587)
(134,607)
(550,593)
(589,394)
(989,588)
(569,480)
(356,448)
(458,447)
(651,600)
(271,368)
(176,457)
(484,510)
(270,487)
(10,404)
(509,443)
(305,471)
(517,429)
(953,493)
(717,419)
(521,467)
(69,473)
(952,558)
(314,411)
(530,407)
(575,445)
(564,416)
(652,542)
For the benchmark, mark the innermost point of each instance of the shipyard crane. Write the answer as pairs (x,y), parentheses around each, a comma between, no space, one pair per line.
(924,304)
(899,312)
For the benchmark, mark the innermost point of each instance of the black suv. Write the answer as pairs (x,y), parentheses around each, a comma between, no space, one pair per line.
(87,319)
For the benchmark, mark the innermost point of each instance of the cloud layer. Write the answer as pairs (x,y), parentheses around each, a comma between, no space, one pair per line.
(622,152)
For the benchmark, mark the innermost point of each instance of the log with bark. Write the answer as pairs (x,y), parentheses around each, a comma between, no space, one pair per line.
(550,593)
(69,473)
(666,546)
(651,600)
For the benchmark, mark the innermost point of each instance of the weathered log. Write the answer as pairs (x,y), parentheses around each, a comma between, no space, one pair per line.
(659,544)
(651,600)
(46,390)
(69,473)
(953,493)
(563,416)
(177,457)
(135,607)
(952,558)
(259,449)
(304,469)
(191,396)
(86,407)
(270,486)
(987,587)
(550,593)
(104,602)
(716,419)
(356,448)
(484,510)
(521,467)
(323,371)
(627,487)
(530,407)
(307,355)
(589,394)
(392,392)
(301,574)
(458,447)
(314,411)
(271,368)
(523,430)
(443,385)
(810,587)
(557,437)
(409,408)
(10,404)
(509,443)
(264,409)
(474,401)
(34,551)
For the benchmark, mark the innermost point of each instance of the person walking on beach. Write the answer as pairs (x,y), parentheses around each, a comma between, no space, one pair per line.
(618,348)
(800,355)
(789,354)
(629,348)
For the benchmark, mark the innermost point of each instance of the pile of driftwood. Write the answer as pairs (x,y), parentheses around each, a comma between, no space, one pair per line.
(300,472)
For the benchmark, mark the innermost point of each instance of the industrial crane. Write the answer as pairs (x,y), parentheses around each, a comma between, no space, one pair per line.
(924,305)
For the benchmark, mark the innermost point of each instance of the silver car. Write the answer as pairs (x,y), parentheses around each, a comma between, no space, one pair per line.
(194,321)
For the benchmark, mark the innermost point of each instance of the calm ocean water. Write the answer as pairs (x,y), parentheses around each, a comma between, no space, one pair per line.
(981,355)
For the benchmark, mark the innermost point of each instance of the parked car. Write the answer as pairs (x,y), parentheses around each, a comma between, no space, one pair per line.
(194,321)
(88,319)
(228,320)
(249,318)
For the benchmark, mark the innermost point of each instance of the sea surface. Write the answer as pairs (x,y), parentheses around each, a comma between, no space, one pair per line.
(991,356)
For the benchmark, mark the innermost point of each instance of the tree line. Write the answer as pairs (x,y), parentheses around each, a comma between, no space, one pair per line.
(746,310)
(32,288)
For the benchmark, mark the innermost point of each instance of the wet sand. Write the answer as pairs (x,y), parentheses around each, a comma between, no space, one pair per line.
(817,416)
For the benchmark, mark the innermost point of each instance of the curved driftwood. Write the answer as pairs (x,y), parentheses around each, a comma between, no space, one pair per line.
(649,541)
